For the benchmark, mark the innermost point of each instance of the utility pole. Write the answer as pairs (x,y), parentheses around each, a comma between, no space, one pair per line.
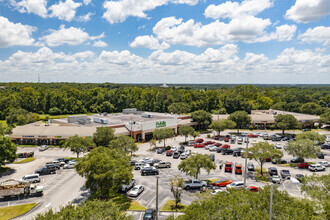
(271,196)
(157,197)
(131,128)
(246,154)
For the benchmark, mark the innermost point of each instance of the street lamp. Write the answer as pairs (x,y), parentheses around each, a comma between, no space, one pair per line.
(271,195)
(157,197)
(246,154)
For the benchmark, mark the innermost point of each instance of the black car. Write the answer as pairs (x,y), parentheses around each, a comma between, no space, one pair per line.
(133,162)
(176,155)
(320,155)
(227,151)
(160,150)
(250,166)
(46,170)
(149,171)
(299,177)
(212,157)
(237,151)
(325,146)
(297,160)
(276,138)
(151,163)
(63,160)
(52,165)
(285,173)
(181,149)
(279,161)
(272,171)
(150,214)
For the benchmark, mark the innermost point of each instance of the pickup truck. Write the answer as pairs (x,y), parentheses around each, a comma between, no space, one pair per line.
(11,188)
(25,154)
(190,184)
(162,164)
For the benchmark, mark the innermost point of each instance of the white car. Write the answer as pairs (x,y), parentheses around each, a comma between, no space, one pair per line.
(278,146)
(192,143)
(216,191)
(276,179)
(237,185)
(174,148)
(324,163)
(207,147)
(187,152)
(69,166)
(146,160)
(135,191)
(254,142)
(316,167)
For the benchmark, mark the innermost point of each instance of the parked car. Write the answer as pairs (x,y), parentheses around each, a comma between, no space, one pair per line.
(279,161)
(275,179)
(160,150)
(215,191)
(162,164)
(320,155)
(183,156)
(213,148)
(237,151)
(46,170)
(228,167)
(238,169)
(132,162)
(176,155)
(169,153)
(52,165)
(43,147)
(188,152)
(285,173)
(149,171)
(25,154)
(237,185)
(276,138)
(226,151)
(199,140)
(69,166)
(125,188)
(252,188)
(135,191)
(297,160)
(181,149)
(272,171)
(139,165)
(278,146)
(212,157)
(226,139)
(149,214)
(325,146)
(194,184)
(208,142)
(240,140)
(221,183)
(252,135)
(191,143)
(250,166)
(221,164)
(303,165)
(324,163)
(299,177)
(316,167)
(199,145)
(174,148)
(226,146)
(32,178)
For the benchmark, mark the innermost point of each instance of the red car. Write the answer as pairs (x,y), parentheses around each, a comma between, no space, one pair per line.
(228,167)
(226,139)
(303,165)
(217,144)
(216,137)
(199,140)
(208,142)
(226,146)
(238,169)
(221,183)
(169,153)
(252,135)
(252,188)
(199,145)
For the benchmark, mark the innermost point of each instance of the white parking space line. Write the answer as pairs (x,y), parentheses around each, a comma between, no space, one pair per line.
(48,205)
(151,201)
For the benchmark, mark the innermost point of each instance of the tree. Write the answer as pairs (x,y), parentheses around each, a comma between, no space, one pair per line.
(179,108)
(7,150)
(186,130)
(124,143)
(261,151)
(241,118)
(325,117)
(91,209)
(285,122)
(105,171)
(195,134)
(55,111)
(202,118)
(192,165)
(311,108)
(222,125)
(303,148)
(162,134)
(78,144)
(243,204)
(318,188)
(311,135)
(103,136)
(177,185)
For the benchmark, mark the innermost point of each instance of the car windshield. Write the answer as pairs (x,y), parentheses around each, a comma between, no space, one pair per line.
(135,189)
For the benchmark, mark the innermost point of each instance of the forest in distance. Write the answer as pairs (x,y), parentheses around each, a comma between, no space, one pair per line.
(80,98)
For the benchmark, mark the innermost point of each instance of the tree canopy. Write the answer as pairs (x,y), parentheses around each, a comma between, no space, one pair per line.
(179,108)
(163,133)
(78,144)
(325,117)
(186,130)
(303,148)
(222,124)
(103,136)
(261,151)
(311,135)
(7,150)
(193,165)
(105,171)
(286,122)
(202,118)
(241,118)
(124,143)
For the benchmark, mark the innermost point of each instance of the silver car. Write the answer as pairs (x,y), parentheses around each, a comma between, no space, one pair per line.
(135,191)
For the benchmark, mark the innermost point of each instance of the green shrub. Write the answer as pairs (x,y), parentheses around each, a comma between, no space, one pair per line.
(271,127)
(250,127)
(208,136)
(168,148)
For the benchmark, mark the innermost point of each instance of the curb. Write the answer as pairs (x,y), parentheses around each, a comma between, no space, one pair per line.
(32,209)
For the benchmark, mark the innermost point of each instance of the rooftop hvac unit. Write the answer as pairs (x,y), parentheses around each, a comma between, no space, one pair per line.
(146,115)
(100,120)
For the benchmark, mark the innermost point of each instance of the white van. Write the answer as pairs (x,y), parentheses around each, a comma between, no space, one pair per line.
(43,147)
(32,178)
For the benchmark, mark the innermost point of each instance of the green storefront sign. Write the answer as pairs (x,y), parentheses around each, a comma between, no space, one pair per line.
(160,124)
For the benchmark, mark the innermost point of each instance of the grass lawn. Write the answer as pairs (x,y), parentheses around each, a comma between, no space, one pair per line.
(170,206)
(26,160)
(13,211)
(289,165)
(264,177)
(3,169)
(136,206)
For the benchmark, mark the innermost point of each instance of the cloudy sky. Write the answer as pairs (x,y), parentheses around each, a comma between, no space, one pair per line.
(165,41)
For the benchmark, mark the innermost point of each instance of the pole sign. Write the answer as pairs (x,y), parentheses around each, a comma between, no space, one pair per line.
(160,124)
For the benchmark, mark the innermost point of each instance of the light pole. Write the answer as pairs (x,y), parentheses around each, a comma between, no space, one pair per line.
(157,197)
(271,195)
(246,154)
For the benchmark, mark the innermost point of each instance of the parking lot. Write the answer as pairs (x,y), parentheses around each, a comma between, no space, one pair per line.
(59,189)
(147,198)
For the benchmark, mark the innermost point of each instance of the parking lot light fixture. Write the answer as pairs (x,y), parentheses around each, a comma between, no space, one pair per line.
(273,187)
(157,197)
(246,154)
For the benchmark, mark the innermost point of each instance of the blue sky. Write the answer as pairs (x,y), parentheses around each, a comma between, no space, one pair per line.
(165,41)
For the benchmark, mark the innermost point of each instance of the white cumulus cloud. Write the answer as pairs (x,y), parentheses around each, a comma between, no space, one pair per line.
(15,34)
(100,43)
(64,10)
(235,9)
(86,17)
(149,42)
(37,7)
(304,11)
(318,34)
(87,2)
